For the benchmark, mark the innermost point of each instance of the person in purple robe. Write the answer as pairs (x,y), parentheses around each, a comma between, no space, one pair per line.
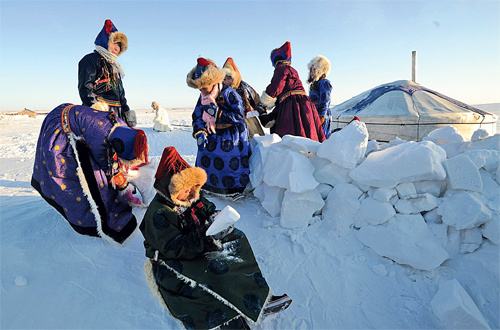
(220,131)
(321,89)
(293,112)
(81,158)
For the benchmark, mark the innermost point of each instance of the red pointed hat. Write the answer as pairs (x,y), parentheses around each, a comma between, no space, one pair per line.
(174,174)
(170,163)
(283,53)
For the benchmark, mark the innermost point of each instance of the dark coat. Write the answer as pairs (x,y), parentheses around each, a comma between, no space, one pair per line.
(250,100)
(96,81)
(201,286)
(296,114)
(63,161)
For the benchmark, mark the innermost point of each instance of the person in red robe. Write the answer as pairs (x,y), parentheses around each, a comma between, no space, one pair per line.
(293,112)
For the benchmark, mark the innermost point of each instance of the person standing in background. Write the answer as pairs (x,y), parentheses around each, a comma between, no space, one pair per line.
(321,89)
(248,95)
(100,75)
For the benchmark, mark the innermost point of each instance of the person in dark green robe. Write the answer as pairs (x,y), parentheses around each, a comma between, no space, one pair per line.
(204,281)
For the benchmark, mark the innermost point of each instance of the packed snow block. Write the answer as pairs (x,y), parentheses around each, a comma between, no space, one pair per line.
(324,189)
(407,240)
(497,174)
(347,147)
(479,134)
(260,146)
(463,210)
(484,158)
(382,194)
(417,204)
(265,140)
(301,144)
(440,232)
(406,162)
(444,135)
(452,245)
(434,188)
(332,174)
(489,143)
(471,240)
(432,216)
(454,149)
(373,212)
(491,191)
(318,163)
(455,308)
(406,190)
(491,229)
(297,209)
(372,146)
(270,198)
(341,207)
(462,174)
(288,169)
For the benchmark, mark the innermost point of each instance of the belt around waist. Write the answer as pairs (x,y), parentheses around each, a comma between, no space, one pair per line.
(284,96)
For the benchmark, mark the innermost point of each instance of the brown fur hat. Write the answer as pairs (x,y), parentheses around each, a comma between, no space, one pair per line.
(204,74)
(121,38)
(318,66)
(231,70)
(190,178)
(174,175)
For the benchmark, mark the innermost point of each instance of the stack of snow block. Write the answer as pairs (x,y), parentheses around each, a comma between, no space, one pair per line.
(417,203)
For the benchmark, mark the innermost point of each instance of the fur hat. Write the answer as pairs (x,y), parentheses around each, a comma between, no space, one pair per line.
(231,70)
(283,53)
(109,34)
(129,143)
(174,175)
(204,74)
(318,67)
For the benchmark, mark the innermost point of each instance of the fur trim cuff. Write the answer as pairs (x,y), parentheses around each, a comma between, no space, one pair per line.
(267,100)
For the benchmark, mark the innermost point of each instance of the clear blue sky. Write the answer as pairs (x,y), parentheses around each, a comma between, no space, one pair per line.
(369,43)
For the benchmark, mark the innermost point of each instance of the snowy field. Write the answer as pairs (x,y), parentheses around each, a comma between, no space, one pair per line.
(338,277)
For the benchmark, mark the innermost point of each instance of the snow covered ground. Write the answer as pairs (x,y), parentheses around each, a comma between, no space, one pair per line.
(53,278)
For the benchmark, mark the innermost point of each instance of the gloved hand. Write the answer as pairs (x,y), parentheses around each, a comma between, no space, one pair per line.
(201,140)
(322,118)
(208,117)
(252,114)
(132,195)
(267,120)
(260,108)
(220,235)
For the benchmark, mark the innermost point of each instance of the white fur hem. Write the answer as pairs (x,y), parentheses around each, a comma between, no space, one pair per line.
(193,284)
(86,190)
(267,100)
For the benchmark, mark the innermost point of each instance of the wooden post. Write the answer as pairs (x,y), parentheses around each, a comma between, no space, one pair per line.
(413,65)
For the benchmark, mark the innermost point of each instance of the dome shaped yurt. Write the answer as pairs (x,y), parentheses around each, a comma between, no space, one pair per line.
(410,111)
